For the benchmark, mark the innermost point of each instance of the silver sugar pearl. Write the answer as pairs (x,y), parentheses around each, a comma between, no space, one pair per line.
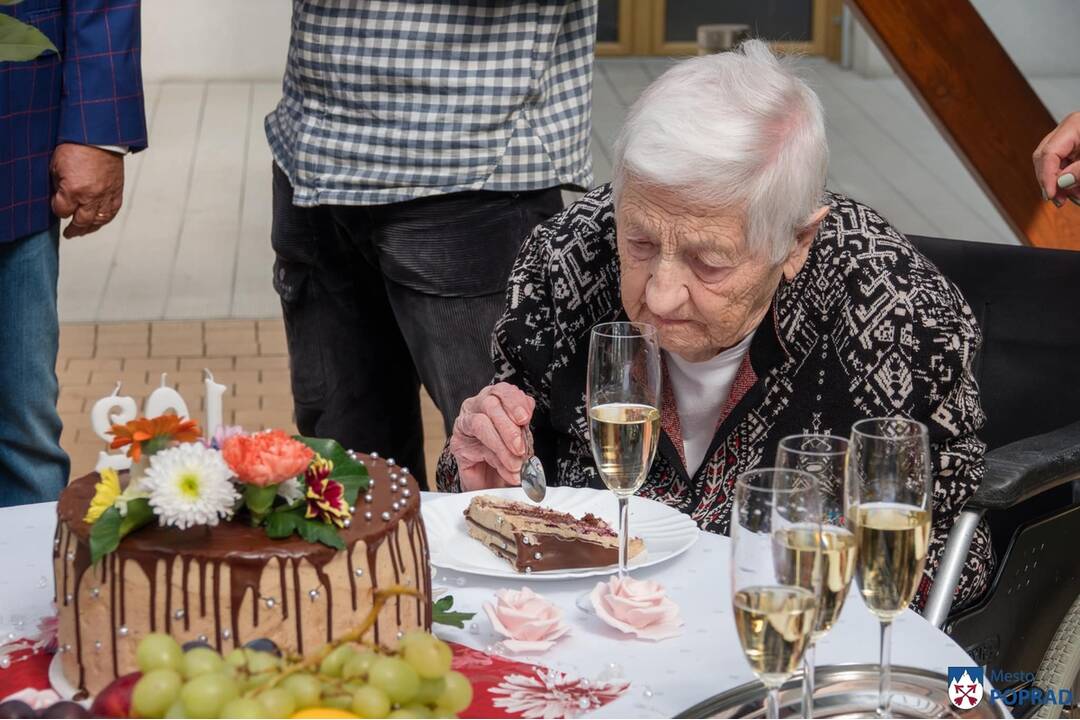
(385,516)
(226,633)
(358,572)
(374,455)
(11,636)
(123,631)
(95,592)
(203,638)
(394,476)
(97,646)
(352,508)
(68,598)
(538,556)
(390,461)
(393,487)
(369,498)
(499,520)
(460,582)
(71,555)
(584,703)
(400,634)
(528,569)
(647,692)
(313,594)
(5,662)
(361,461)
(347,523)
(179,614)
(270,602)
(474,629)
(394,505)
(367,514)
(351,454)
(56,543)
(406,492)
(67,648)
(404,471)
(524,539)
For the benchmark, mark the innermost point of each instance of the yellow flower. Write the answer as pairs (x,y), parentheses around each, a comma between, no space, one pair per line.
(105,494)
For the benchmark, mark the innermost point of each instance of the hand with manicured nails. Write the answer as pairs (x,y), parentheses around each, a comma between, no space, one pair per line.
(88,186)
(491,437)
(1057,162)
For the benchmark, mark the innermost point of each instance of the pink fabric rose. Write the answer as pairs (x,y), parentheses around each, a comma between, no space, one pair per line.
(528,621)
(637,607)
(266,458)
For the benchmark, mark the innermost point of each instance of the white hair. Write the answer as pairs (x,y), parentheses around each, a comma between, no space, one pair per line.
(737,131)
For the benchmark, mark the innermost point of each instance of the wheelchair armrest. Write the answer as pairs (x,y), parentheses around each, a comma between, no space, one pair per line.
(1028,467)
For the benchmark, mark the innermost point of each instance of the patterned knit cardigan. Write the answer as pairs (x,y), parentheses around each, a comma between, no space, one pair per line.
(868,328)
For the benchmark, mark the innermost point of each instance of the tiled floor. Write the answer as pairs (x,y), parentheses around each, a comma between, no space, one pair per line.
(154,291)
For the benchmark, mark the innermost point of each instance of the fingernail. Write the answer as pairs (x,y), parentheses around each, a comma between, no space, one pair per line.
(519,445)
(1043,191)
(520,415)
(1066,181)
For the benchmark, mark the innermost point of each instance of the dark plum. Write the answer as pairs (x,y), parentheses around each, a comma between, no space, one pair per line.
(65,709)
(16,709)
(265,645)
(192,644)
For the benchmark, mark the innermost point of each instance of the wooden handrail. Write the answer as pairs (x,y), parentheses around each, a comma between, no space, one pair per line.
(981,103)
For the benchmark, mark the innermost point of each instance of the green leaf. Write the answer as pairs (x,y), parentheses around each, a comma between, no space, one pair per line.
(441,613)
(19,41)
(111,528)
(139,513)
(317,531)
(281,524)
(351,486)
(345,468)
(259,499)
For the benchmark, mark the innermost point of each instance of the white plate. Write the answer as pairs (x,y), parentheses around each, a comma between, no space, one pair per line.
(666,531)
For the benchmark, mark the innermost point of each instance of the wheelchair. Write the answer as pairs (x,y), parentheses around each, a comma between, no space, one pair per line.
(1027,302)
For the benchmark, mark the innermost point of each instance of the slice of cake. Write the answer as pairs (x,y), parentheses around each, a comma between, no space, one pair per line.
(533,538)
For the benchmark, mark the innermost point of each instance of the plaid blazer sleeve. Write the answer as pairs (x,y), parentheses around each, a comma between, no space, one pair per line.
(102,101)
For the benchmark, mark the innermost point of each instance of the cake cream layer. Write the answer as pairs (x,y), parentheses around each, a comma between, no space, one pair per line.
(231,583)
(533,538)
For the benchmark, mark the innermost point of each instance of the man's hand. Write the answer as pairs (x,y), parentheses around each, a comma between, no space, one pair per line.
(490,438)
(89,185)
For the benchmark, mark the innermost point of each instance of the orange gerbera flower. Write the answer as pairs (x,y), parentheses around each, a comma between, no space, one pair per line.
(151,434)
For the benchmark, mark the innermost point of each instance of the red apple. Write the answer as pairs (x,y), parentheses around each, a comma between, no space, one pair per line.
(115,700)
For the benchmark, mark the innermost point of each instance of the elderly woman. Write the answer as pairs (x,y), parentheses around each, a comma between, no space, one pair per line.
(781,308)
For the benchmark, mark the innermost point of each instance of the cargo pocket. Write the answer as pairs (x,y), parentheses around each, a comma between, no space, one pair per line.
(300,308)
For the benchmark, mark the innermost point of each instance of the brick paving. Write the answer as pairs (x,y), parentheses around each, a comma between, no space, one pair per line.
(249,356)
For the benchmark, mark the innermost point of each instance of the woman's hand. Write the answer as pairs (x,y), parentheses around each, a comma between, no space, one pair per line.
(1057,167)
(491,437)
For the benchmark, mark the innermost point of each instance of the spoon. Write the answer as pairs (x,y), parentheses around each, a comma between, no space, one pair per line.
(533,480)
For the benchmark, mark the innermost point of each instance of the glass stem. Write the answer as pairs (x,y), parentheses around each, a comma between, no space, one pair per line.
(772,703)
(884,705)
(624,533)
(808,682)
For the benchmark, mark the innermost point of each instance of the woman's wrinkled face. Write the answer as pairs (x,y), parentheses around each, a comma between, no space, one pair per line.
(686,269)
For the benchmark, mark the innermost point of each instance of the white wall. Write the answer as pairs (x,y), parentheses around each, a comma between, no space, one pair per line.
(215,39)
(1040,35)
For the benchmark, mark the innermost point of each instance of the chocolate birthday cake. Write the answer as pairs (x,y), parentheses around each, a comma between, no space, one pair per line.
(533,538)
(230,583)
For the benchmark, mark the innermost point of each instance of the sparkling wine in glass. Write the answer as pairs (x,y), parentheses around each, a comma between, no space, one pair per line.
(887,496)
(823,456)
(623,397)
(774,591)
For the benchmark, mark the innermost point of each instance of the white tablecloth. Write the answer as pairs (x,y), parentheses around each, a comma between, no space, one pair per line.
(667,677)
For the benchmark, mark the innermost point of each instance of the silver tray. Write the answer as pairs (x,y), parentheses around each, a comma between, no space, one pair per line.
(849,691)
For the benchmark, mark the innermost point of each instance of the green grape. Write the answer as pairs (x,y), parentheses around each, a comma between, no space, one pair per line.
(259,662)
(426,659)
(236,658)
(277,703)
(370,702)
(396,678)
(333,663)
(158,651)
(457,695)
(430,690)
(205,695)
(339,701)
(201,661)
(359,665)
(445,652)
(304,688)
(415,635)
(242,708)
(254,681)
(176,711)
(155,691)
(410,711)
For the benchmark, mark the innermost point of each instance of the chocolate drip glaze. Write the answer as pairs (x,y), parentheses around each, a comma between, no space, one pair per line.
(245,551)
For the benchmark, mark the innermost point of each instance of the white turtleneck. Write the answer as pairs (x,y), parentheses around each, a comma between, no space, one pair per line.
(700,391)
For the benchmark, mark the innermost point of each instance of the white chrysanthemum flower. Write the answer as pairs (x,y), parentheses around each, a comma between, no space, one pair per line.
(189,485)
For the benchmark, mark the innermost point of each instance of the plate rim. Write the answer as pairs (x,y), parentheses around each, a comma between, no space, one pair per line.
(574,574)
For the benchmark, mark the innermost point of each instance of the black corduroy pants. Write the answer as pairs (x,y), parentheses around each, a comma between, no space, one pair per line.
(378,299)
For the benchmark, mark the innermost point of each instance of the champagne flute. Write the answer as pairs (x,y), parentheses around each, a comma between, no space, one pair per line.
(623,400)
(774,608)
(887,500)
(823,456)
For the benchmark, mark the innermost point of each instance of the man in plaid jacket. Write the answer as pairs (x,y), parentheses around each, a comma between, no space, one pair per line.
(66,121)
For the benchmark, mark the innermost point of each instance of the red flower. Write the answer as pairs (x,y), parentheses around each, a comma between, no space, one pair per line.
(325,497)
(266,458)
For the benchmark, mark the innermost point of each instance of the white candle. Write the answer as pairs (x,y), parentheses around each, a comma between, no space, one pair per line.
(164,399)
(117,462)
(115,409)
(214,393)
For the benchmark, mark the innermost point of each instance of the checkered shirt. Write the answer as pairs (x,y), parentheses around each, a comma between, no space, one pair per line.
(91,93)
(391,100)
